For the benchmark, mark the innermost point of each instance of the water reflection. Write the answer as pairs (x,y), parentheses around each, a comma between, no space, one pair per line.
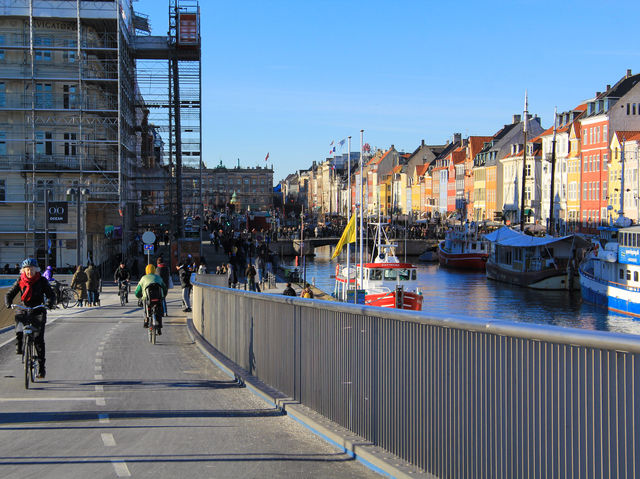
(471,294)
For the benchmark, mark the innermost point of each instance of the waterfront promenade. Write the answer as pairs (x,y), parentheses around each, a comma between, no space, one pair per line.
(113,405)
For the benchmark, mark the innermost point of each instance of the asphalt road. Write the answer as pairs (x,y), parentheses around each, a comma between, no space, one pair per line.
(113,405)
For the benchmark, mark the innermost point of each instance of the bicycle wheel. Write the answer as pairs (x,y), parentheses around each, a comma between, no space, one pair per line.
(27,363)
(153,328)
(34,361)
(69,298)
(121,298)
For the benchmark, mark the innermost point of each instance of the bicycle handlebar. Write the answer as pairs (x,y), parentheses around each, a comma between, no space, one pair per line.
(27,308)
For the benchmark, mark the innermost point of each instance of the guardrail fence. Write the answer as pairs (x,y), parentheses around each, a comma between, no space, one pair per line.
(457,397)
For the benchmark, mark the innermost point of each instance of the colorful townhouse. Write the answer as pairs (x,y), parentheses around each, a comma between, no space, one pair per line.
(625,148)
(565,168)
(574,175)
(377,168)
(534,185)
(473,145)
(607,112)
(489,177)
(456,197)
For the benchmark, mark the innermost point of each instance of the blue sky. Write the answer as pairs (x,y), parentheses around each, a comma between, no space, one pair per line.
(288,77)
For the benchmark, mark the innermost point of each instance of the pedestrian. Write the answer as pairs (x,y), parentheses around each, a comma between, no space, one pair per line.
(202,269)
(162,270)
(232,275)
(289,291)
(134,269)
(79,283)
(93,284)
(250,273)
(306,291)
(185,282)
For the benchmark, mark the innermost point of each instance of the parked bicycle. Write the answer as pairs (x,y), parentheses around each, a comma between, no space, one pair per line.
(66,297)
(29,352)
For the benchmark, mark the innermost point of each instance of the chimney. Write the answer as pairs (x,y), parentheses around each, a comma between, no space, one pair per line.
(457,137)
(628,72)
(608,87)
(598,93)
(393,147)
(516,119)
(422,142)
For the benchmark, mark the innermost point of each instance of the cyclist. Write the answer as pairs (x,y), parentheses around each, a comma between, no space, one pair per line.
(121,277)
(142,292)
(33,289)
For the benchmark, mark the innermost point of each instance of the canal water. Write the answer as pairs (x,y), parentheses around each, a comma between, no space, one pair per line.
(471,294)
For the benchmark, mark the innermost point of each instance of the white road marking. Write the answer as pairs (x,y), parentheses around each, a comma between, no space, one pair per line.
(99,353)
(121,468)
(97,368)
(107,439)
(103,418)
(98,377)
(98,360)
(100,402)
(99,388)
(27,399)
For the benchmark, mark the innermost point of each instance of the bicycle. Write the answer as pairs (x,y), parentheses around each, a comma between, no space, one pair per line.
(123,292)
(66,296)
(151,312)
(29,352)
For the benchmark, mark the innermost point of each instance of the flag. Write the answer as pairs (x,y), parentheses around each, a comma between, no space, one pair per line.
(366,147)
(348,236)
(266,157)
(341,142)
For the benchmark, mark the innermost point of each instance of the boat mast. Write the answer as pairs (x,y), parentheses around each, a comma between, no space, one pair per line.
(361,198)
(553,171)
(524,163)
(344,298)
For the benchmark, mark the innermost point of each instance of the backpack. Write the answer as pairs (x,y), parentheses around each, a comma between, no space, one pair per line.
(154,292)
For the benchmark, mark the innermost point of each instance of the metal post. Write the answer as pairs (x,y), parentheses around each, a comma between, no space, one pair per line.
(77,193)
(46,227)
(524,164)
(553,171)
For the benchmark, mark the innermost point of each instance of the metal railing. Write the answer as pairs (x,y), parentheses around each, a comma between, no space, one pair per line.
(456,397)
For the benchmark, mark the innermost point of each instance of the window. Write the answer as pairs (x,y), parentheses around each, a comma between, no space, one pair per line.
(44,143)
(3,143)
(585,187)
(69,96)
(44,95)
(528,169)
(239,182)
(70,144)
(621,275)
(628,275)
(3,95)
(604,190)
(246,181)
(527,193)
(605,132)
(585,136)
(69,56)
(42,55)
(1,51)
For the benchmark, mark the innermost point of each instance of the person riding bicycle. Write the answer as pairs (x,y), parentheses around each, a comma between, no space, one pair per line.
(121,277)
(33,289)
(142,292)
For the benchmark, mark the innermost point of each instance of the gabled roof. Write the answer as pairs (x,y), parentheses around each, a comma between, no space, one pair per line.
(376,160)
(421,169)
(397,169)
(628,135)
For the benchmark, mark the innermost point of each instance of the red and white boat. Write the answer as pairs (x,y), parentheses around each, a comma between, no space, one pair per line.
(463,248)
(386,282)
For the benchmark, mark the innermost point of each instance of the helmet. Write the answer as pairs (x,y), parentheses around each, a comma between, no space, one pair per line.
(29,262)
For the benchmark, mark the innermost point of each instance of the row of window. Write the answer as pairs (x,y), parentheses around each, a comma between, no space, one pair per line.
(633,108)
(236,181)
(44,143)
(591,190)
(595,134)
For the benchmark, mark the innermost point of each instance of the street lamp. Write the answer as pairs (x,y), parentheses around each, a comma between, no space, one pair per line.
(77,193)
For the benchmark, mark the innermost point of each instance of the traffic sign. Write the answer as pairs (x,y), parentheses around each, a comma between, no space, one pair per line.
(148,248)
(148,237)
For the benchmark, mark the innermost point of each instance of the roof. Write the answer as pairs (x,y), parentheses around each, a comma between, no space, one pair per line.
(628,135)
(376,160)
(421,169)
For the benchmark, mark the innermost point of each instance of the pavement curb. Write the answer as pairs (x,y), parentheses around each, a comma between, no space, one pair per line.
(373,457)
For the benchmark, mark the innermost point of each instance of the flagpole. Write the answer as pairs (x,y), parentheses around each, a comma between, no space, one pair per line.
(361,198)
(348,218)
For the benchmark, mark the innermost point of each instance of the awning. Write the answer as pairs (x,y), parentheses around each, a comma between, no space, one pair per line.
(505,236)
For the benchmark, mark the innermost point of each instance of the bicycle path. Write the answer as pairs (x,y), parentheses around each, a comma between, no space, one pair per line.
(113,405)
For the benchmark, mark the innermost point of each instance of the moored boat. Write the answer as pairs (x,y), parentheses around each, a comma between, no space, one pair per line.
(385,282)
(547,262)
(610,274)
(462,248)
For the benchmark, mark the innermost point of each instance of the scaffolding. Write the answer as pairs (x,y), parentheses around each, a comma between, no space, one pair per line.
(169,78)
(76,130)
(67,121)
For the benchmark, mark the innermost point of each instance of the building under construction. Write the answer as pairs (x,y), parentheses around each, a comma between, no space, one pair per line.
(90,154)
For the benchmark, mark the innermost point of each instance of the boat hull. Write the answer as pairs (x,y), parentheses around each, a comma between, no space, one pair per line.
(550,279)
(410,300)
(612,296)
(471,261)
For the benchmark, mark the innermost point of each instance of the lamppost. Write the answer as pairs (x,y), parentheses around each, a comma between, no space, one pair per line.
(47,249)
(77,193)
